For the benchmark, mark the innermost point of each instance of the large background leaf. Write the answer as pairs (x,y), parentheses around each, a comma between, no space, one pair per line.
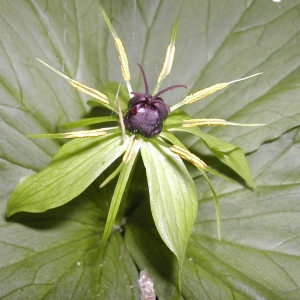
(56,253)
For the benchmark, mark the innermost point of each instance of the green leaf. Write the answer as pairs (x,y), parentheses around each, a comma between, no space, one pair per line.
(76,165)
(120,188)
(264,234)
(173,197)
(231,155)
(63,253)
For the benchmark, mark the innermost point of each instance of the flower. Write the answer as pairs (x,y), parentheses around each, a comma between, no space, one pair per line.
(147,113)
(144,125)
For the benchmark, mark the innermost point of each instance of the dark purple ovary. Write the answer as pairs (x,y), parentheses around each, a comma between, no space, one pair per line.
(146,113)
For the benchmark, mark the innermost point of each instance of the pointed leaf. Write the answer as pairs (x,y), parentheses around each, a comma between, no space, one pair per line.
(258,228)
(76,165)
(173,197)
(231,155)
(127,165)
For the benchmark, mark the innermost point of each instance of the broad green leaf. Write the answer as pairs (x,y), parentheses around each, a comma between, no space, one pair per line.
(229,154)
(61,251)
(76,165)
(260,245)
(173,197)
(216,41)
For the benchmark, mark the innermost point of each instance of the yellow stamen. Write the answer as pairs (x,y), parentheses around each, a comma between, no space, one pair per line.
(84,133)
(213,122)
(199,95)
(166,69)
(190,157)
(121,51)
(205,92)
(123,59)
(167,66)
(79,86)
(89,91)
(132,148)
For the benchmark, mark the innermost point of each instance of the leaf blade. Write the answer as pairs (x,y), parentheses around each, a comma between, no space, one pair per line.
(73,168)
(173,206)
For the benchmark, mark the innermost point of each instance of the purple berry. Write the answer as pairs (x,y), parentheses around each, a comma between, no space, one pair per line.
(147,113)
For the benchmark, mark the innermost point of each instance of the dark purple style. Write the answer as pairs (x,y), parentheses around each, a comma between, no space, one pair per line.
(147,113)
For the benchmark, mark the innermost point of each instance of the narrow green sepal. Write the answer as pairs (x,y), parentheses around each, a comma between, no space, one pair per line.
(90,121)
(125,171)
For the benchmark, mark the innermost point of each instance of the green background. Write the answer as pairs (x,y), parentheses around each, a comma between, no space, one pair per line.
(56,255)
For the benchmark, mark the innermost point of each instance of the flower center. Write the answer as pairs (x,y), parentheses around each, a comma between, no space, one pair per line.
(146,113)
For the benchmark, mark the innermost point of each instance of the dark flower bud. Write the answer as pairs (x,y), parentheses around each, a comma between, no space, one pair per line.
(146,116)
(147,113)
